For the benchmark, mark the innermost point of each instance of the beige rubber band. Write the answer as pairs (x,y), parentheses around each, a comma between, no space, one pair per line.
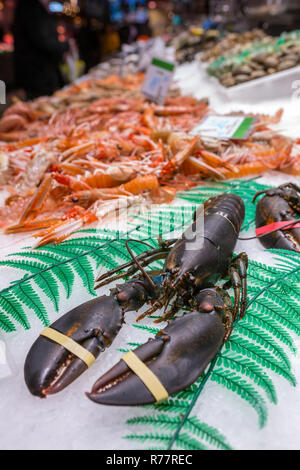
(153,384)
(69,344)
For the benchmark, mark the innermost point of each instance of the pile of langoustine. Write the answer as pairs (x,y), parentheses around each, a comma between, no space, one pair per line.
(71,159)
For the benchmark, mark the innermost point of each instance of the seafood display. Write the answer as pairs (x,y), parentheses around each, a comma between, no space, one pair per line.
(258,61)
(232,43)
(123,222)
(71,159)
(276,212)
(192,265)
(188,43)
(133,58)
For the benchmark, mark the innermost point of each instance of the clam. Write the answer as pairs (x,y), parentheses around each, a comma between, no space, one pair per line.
(257,74)
(242,70)
(271,61)
(241,78)
(286,64)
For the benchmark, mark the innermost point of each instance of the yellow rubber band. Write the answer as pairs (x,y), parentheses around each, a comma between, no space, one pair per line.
(153,384)
(69,344)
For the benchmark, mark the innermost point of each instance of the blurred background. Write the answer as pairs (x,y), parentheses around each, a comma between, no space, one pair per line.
(46,44)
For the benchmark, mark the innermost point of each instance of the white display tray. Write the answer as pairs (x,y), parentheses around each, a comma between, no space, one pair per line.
(271,87)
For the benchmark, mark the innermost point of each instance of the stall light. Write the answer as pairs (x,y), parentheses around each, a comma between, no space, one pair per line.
(8,39)
(152,5)
(1,6)
(77,20)
(55,7)
(71,9)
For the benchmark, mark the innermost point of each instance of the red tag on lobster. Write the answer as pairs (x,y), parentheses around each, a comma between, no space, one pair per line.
(283,225)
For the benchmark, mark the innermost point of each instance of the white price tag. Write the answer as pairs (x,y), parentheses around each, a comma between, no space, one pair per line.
(158,80)
(224,127)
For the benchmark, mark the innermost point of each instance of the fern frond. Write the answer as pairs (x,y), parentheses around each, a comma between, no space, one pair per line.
(5,323)
(10,304)
(206,432)
(186,442)
(47,282)
(249,349)
(150,329)
(261,317)
(235,383)
(26,265)
(249,368)
(172,405)
(84,270)
(162,438)
(161,421)
(27,294)
(279,311)
(66,277)
(262,339)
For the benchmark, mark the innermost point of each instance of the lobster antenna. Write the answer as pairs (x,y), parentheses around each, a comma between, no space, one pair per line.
(258,194)
(137,262)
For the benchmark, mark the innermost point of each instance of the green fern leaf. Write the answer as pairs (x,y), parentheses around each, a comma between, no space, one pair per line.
(149,329)
(249,368)
(27,294)
(262,339)
(11,305)
(185,441)
(249,349)
(162,438)
(260,316)
(5,323)
(207,433)
(47,282)
(66,277)
(235,383)
(84,270)
(26,265)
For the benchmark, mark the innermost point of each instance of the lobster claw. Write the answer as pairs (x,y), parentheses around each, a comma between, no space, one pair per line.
(49,367)
(177,356)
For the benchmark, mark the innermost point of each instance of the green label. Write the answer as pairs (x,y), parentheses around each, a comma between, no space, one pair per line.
(242,131)
(163,65)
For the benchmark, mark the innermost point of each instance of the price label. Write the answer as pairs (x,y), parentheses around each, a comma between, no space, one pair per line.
(158,80)
(224,127)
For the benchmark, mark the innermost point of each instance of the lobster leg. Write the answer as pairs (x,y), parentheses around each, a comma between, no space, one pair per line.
(229,313)
(238,281)
(240,265)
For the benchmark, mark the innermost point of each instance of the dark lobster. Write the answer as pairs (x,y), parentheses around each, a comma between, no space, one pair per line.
(188,343)
(279,205)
